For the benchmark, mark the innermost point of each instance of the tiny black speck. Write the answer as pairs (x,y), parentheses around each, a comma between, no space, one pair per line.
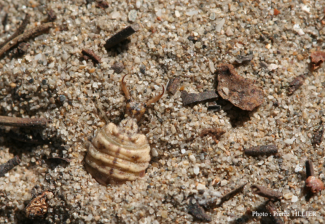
(31,80)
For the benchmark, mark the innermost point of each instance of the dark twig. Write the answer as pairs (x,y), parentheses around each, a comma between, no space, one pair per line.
(26,35)
(23,122)
(4,168)
(231,194)
(19,31)
(309,169)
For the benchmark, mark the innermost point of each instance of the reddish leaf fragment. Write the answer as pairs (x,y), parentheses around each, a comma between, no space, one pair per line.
(189,98)
(317,58)
(239,91)
(87,53)
(276,12)
(296,83)
(197,211)
(173,85)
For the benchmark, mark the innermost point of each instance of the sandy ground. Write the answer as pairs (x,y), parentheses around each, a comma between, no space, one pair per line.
(185,39)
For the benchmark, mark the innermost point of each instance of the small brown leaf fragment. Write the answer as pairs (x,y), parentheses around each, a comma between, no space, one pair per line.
(241,59)
(197,211)
(266,192)
(118,67)
(239,91)
(276,12)
(270,207)
(38,206)
(261,150)
(215,133)
(318,136)
(87,53)
(173,85)
(317,58)
(296,83)
(102,5)
(189,98)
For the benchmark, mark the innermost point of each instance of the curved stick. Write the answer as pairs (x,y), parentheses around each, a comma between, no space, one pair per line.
(156,98)
(125,90)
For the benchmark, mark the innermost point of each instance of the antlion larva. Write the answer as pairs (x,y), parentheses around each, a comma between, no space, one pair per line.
(119,153)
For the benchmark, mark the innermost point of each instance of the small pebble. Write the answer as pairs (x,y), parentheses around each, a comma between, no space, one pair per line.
(132,15)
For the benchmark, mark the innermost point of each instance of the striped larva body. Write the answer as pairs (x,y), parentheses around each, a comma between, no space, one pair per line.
(119,153)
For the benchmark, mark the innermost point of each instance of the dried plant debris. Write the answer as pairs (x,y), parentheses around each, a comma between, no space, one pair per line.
(296,83)
(102,5)
(266,192)
(317,58)
(189,98)
(118,67)
(270,207)
(239,91)
(173,85)
(243,59)
(215,133)
(213,106)
(37,208)
(51,16)
(87,53)
(231,194)
(5,168)
(21,49)
(25,36)
(23,122)
(121,35)
(318,136)
(197,211)
(261,150)
(19,31)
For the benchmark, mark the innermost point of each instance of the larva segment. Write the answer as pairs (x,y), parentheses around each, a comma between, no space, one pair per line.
(118,154)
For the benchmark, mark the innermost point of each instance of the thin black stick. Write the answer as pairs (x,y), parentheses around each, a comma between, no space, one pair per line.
(23,122)
(4,168)
(309,169)
(19,31)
